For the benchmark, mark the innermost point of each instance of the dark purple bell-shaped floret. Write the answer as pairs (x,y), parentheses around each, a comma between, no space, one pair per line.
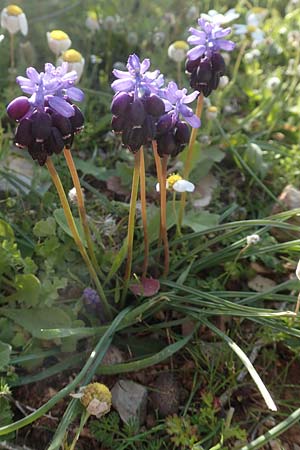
(154,105)
(37,152)
(77,121)
(23,135)
(41,126)
(63,124)
(18,108)
(164,124)
(137,113)
(205,72)
(55,142)
(182,133)
(120,103)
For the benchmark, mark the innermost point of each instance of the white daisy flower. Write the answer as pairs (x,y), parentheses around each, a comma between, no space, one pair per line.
(176,183)
(75,61)
(92,21)
(178,50)
(58,41)
(254,19)
(13,19)
(215,17)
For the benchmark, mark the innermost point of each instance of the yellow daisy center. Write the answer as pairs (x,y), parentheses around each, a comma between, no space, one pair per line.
(92,15)
(59,35)
(172,179)
(258,10)
(251,28)
(180,45)
(14,10)
(72,56)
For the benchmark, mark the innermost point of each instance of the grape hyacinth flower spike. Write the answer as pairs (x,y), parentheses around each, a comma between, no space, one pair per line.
(48,119)
(136,109)
(205,63)
(172,136)
(47,122)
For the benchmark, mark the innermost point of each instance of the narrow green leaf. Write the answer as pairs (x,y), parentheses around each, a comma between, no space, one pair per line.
(247,363)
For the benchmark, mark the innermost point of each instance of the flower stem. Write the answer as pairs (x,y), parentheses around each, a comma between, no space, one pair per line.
(131,220)
(84,417)
(12,50)
(238,62)
(163,214)
(179,73)
(188,161)
(81,207)
(159,175)
(144,211)
(71,223)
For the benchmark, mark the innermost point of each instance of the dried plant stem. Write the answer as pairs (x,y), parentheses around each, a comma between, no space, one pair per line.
(131,220)
(144,211)
(81,207)
(188,162)
(71,223)
(163,214)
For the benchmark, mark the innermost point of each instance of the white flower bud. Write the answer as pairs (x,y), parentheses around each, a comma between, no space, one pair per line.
(252,239)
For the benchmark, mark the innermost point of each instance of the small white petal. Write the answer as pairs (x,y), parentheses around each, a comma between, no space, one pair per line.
(183,186)
(23,24)
(298,270)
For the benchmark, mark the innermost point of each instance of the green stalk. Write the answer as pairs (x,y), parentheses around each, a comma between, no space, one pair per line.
(163,215)
(131,220)
(81,207)
(283,426)
(188,161)
(71,223)
(84,417)
(144,211)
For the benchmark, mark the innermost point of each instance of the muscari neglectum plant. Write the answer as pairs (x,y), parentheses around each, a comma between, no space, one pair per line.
(146,114)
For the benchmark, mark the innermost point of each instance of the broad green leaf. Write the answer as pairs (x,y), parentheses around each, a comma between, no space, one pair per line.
(45,227)
(5,350)
(89,168)
(62,222)
(35,320)
(200,220)
(6,230)
(153,218)
(28,289)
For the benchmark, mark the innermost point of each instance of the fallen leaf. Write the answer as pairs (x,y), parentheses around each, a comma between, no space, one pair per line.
(145,287)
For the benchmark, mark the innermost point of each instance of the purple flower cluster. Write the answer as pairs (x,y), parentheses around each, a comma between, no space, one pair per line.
(93,303)
(172,134)
(47,119)
(143,110)
(205,64)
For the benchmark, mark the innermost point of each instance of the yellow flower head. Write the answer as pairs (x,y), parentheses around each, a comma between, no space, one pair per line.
(180,45)
(96,391)
(14,10)
(72,56)
(171,180)
(92,15)
(58,35)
